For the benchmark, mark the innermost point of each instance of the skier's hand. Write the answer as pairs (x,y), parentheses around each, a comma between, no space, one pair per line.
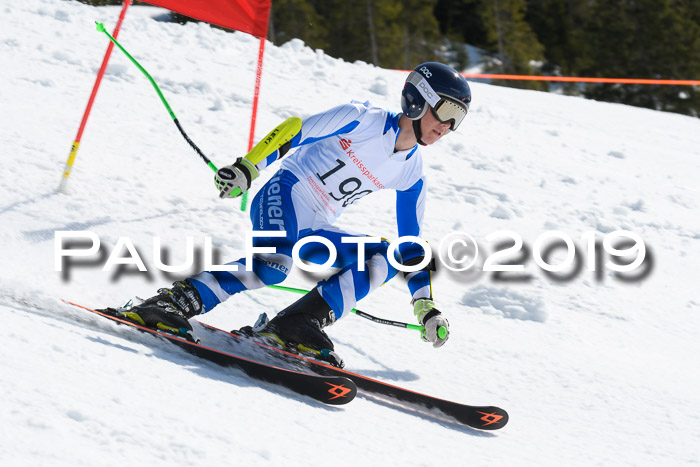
(235,179)
(437,329)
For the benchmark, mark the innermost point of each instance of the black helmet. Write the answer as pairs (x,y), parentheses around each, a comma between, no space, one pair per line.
(445,91)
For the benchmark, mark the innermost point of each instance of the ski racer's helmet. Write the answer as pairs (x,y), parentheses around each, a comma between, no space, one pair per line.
(438,87)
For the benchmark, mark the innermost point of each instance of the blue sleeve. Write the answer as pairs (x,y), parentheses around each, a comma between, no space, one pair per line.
(338,120)
(410,207)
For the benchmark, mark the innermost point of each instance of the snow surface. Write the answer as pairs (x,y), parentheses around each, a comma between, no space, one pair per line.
(593,370)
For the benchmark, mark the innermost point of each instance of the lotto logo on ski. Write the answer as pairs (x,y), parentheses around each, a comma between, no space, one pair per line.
(338,391)
(490,418)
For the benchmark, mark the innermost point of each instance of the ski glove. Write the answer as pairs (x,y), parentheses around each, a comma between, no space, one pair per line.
(437,329)
(235,179)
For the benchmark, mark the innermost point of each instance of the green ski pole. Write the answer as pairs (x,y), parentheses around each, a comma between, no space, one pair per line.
(442,332)
(101,28)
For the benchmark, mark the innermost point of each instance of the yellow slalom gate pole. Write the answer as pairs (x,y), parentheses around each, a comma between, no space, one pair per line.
(76,143)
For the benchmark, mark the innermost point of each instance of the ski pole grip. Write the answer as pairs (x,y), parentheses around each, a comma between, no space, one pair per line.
(442,332)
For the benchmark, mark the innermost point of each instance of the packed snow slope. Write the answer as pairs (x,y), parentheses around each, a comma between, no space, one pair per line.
(593,369)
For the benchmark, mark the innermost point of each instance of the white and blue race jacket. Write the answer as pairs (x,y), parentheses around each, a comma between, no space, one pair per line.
(353,155)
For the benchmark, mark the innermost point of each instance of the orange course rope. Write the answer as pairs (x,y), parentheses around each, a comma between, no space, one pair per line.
(574,79)
(677,82)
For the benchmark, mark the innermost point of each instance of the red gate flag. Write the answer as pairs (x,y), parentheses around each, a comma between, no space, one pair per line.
(249,16)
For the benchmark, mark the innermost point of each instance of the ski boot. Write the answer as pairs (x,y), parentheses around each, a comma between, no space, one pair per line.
(299,328)
(168,311)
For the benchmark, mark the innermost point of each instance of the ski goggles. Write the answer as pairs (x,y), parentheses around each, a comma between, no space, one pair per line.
(444,109)
(447,111)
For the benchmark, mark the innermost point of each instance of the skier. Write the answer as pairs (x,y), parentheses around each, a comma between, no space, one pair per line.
(343,155)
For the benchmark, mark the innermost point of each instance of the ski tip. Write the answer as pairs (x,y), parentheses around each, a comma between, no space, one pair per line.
(491,418)
(338,391)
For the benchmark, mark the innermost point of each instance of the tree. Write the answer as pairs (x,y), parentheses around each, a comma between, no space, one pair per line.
(509,35)
(459,20)
(389,33)
(291,19)
(653,39)
(420,37)
(557,26)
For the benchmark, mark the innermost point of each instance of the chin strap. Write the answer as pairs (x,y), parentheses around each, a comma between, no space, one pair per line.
(417,131)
